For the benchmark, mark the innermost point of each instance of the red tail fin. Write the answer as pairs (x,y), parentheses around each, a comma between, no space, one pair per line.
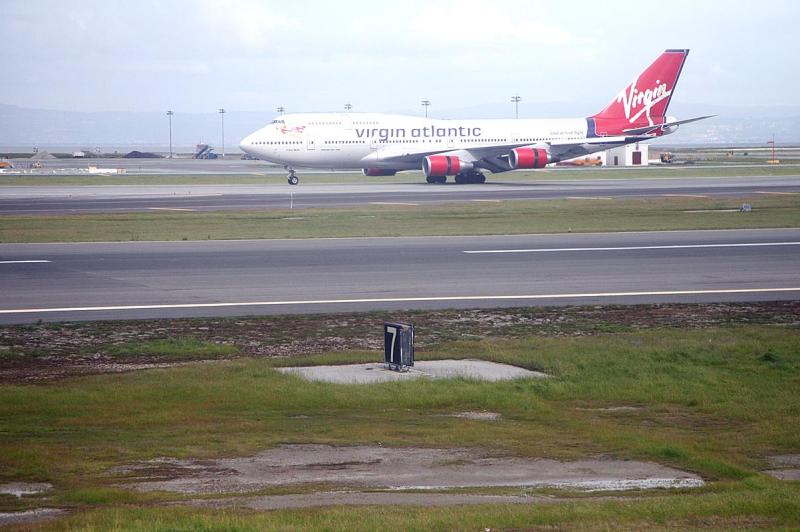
(644,101)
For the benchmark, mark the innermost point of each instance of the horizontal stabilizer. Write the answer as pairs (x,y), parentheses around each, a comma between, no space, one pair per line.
(648,129)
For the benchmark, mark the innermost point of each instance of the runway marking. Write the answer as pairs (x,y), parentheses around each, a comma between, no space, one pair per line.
(685,195)
(404,300)
(591,197)
(635,248)
(777,193)
(391,203)
(23,261)
(170,209)
(489,200)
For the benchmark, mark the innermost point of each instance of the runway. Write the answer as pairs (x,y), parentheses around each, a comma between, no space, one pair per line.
(73,199)
(87,281)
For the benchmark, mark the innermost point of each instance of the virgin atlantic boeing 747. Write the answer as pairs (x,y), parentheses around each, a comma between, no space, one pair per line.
(383,144)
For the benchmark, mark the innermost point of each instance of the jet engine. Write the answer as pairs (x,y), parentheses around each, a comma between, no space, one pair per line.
(523,158)
(378,171)
(670,129)
(443,165)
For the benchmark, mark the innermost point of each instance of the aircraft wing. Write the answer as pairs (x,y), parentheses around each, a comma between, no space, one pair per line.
(496,158)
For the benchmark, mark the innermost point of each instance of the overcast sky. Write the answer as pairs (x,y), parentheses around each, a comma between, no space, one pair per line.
(197,56)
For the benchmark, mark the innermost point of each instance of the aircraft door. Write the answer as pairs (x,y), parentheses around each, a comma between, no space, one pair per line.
(310,144)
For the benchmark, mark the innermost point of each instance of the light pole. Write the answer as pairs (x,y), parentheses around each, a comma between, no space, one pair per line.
(426,104)
(516,99)
(222,117)
(281,110)
(169,114)
(347,107)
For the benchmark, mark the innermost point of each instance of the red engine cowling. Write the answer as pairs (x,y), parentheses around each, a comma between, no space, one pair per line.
(378,171)
(521,158)
(442,165)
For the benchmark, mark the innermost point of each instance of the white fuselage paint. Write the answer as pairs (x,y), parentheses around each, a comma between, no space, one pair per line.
(365,140)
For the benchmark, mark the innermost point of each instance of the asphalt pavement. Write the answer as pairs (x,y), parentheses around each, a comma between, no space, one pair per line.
(70,199)
(83,281)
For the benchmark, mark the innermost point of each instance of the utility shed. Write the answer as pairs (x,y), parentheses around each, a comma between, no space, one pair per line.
(628,155)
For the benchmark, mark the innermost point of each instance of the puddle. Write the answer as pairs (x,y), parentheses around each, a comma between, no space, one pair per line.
(398,469)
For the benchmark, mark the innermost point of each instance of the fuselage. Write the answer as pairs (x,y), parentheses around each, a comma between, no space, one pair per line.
(367,140)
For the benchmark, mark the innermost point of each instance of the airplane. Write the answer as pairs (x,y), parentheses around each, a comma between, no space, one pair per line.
(384,144)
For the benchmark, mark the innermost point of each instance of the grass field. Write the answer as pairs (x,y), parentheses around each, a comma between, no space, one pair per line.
(513,217)
(714,401)
(259,177)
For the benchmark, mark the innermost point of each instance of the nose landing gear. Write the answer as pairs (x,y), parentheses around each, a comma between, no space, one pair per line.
(292,177)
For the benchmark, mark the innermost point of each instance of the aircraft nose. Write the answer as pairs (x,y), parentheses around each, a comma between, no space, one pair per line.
(245,144)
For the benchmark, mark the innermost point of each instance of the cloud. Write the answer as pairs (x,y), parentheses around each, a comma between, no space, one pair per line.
(250,25)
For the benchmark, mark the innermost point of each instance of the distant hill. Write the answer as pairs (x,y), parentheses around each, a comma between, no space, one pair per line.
(50,128)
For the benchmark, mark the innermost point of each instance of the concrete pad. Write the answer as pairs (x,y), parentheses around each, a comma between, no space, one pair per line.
(433,369)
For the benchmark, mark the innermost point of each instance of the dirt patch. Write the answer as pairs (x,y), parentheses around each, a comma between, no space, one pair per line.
(612,409)
(784,466)
(396,468)
(29,516)
(479,416)
(35,353)
(350,498)
(20,489)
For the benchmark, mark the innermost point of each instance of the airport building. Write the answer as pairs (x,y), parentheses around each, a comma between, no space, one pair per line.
(629,155)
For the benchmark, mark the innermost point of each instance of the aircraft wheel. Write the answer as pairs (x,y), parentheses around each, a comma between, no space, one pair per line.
(293,179)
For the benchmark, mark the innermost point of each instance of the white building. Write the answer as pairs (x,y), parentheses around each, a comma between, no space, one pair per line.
(628,155)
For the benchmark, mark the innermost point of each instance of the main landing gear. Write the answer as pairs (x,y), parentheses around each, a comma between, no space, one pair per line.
(463,178)
(292,177)
(472,177)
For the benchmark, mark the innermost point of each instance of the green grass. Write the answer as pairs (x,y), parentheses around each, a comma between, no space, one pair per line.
(714,401)
(515,217)
(766,505)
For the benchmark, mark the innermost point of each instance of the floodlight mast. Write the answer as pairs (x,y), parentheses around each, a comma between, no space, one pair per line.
(516,99)
(222,116)
(169,114)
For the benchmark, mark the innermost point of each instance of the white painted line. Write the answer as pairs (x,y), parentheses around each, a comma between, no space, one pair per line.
(489,200)
(778,193)
(403,300)
(632,248)
(591,197)
(23,261)
(169,209)
(684,195)
(391,203)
